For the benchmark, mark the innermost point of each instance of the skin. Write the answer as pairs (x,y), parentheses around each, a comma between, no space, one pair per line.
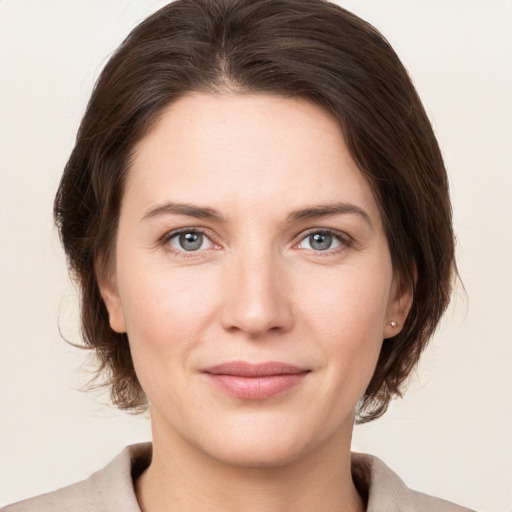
(256,290)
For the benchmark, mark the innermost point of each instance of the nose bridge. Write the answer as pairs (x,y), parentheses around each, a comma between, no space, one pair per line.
(257,298)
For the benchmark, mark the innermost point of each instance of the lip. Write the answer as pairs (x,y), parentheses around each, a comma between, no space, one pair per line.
(254,381)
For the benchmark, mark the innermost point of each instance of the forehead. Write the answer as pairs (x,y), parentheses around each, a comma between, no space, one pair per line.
(245,149)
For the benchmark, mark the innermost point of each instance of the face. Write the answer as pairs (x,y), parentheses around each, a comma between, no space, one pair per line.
(252,276)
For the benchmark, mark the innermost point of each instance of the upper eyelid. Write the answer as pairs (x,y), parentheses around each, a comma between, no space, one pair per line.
(182,253)
(321,230)
(171,234)
(346,242)
(339,234)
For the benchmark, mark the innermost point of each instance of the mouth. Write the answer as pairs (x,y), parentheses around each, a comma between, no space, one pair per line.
(255,381)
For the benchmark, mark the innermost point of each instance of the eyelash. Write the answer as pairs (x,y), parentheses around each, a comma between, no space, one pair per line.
(345,241)
(182,253)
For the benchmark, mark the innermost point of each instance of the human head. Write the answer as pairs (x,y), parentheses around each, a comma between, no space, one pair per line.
(298,48)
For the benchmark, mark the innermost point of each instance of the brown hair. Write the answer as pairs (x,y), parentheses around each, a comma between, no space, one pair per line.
(304,48)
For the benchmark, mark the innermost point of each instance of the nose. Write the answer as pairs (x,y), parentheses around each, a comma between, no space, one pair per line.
(257,296)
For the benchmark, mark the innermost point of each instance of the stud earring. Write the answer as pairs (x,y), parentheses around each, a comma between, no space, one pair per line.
(393,323)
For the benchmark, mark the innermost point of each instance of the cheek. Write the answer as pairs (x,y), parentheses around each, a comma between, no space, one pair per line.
(350,301)
(166,316)
(166,312)
(347,317)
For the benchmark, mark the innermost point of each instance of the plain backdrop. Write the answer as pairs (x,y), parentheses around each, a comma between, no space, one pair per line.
(450,436)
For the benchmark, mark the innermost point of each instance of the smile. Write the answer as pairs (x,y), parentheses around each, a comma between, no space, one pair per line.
(255,381)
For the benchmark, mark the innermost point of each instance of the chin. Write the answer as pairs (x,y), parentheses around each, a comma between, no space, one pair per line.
(264,453)
(264,442)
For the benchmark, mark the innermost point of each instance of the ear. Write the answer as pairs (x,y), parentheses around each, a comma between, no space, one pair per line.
(399,305)
(109,293)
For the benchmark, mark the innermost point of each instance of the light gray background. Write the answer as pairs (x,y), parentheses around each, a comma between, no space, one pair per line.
(450,436)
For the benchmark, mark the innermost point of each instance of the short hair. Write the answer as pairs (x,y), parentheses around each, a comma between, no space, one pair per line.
(310,49)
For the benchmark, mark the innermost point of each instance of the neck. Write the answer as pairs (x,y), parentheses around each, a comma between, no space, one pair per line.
(181,477)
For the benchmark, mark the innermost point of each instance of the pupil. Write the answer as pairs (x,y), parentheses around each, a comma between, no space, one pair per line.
(191,241)
(321,241)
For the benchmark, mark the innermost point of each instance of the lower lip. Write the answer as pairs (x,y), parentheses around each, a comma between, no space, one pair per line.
(255,388)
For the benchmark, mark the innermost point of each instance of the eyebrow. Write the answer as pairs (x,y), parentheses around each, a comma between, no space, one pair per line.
(186,209)
(301,214)
(329,210)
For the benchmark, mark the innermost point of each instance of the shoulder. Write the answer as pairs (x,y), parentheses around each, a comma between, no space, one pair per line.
(110,488)
(386,492)
(73,497)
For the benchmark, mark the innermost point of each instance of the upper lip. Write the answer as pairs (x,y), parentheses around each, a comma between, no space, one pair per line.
(245,369)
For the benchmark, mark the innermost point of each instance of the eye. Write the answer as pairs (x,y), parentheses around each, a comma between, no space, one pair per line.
(189,241)
(321,241)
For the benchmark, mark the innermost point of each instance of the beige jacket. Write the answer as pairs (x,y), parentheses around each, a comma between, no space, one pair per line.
(111,489)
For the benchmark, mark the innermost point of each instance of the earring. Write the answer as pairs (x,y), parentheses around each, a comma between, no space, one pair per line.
(393,323)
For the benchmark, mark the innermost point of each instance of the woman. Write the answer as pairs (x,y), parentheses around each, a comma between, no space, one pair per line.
(257,213)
